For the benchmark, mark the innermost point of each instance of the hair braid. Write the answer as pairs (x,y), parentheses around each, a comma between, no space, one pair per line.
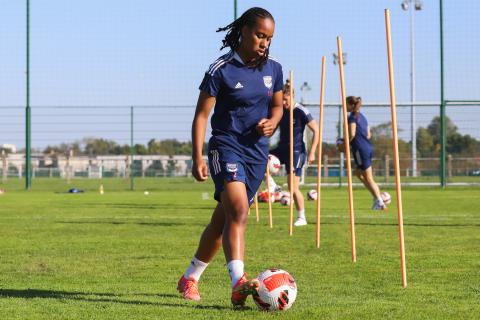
(234,31)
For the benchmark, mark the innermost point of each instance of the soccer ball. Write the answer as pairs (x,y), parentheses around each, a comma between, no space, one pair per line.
(387,199)
(274,164)
(285,200)
(312,194)
(277,290)
(278,196)
(263,196)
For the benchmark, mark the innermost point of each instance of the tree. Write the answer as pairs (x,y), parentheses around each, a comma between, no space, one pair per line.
(94,146)
(382,141)
(64,148)
(429,142)
(425,146)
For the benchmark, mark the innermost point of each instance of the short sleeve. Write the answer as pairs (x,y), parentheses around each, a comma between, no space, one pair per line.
(306,115)
(211,83)
(278,85)
(352,118)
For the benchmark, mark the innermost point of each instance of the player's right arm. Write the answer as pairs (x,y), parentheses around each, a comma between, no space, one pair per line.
(205,104)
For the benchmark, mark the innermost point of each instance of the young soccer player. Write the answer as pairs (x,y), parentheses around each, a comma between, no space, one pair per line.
(245,86)
(362,149)
(301,118)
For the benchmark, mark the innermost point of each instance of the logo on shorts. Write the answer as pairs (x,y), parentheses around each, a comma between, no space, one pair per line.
(232,167)
(267,81)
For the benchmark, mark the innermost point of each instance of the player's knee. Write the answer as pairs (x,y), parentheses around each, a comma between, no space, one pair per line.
(239,213)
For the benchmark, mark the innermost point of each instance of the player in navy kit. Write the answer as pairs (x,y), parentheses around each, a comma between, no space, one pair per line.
(301,119)
(245,86)
(362,149)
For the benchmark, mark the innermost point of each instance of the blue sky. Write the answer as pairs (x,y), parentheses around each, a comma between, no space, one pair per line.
(146,52)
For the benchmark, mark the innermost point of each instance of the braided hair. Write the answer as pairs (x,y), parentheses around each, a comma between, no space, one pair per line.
(234,30)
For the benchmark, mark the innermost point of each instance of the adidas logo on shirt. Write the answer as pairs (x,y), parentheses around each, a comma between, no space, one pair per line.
(238,86)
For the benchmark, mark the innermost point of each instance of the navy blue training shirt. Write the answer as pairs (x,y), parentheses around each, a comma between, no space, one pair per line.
(243,96)
(361,141)
(301,116)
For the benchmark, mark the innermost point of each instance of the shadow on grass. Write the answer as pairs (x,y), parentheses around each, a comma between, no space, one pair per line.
(104,298)
(407,224)
(150,224)
(173,206)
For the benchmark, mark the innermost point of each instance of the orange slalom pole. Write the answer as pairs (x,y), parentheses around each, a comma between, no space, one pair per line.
(255,202)
(395,150)
(319,154)
(270,222)
(347,150)
(290,177)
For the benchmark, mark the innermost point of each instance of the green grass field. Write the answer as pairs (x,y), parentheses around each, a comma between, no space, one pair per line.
(119,255)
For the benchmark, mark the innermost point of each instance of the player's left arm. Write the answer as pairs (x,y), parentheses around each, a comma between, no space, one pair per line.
(312,125)
(266,126)
(352,130)
(369,134)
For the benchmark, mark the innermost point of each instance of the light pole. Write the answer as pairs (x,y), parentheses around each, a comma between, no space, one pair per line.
(28,112)
(305,87)
(412,5)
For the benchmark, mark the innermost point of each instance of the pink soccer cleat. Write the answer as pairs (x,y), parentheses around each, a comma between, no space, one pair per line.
(188,288)
(242,289)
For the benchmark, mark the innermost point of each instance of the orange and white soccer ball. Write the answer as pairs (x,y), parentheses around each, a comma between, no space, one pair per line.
(277,290)
(263,196)
(274,164)
(387,199)
(285,200)
(312,194)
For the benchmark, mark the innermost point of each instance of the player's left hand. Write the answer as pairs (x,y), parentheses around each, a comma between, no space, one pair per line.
(265,127)
(311,157)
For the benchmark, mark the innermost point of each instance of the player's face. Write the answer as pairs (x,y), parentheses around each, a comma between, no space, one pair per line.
(350,107)
(256,40)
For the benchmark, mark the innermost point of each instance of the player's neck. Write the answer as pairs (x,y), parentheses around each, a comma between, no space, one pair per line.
(246,59)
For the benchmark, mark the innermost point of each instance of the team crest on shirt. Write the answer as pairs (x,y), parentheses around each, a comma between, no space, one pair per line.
(232,167)
(267,81)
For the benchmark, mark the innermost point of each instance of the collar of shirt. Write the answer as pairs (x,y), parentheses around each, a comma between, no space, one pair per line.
(237,57)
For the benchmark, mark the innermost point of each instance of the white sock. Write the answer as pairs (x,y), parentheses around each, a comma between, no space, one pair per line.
(380,201)
(235,269)
(195,269)
(301,214)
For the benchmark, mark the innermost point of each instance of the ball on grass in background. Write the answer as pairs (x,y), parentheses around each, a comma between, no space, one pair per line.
(312,195)
(277,290)
(387,199)
(285,199)
(263,196)
(278,196)
(274,164)
(146,193)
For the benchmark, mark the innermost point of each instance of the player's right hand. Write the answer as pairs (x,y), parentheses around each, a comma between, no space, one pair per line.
(265,127)
(200,170)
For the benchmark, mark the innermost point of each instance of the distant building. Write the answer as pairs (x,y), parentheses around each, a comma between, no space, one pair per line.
(10,148)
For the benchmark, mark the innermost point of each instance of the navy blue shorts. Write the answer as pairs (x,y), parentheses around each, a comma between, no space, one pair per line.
(363,158)
(226,166)
(299,159)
